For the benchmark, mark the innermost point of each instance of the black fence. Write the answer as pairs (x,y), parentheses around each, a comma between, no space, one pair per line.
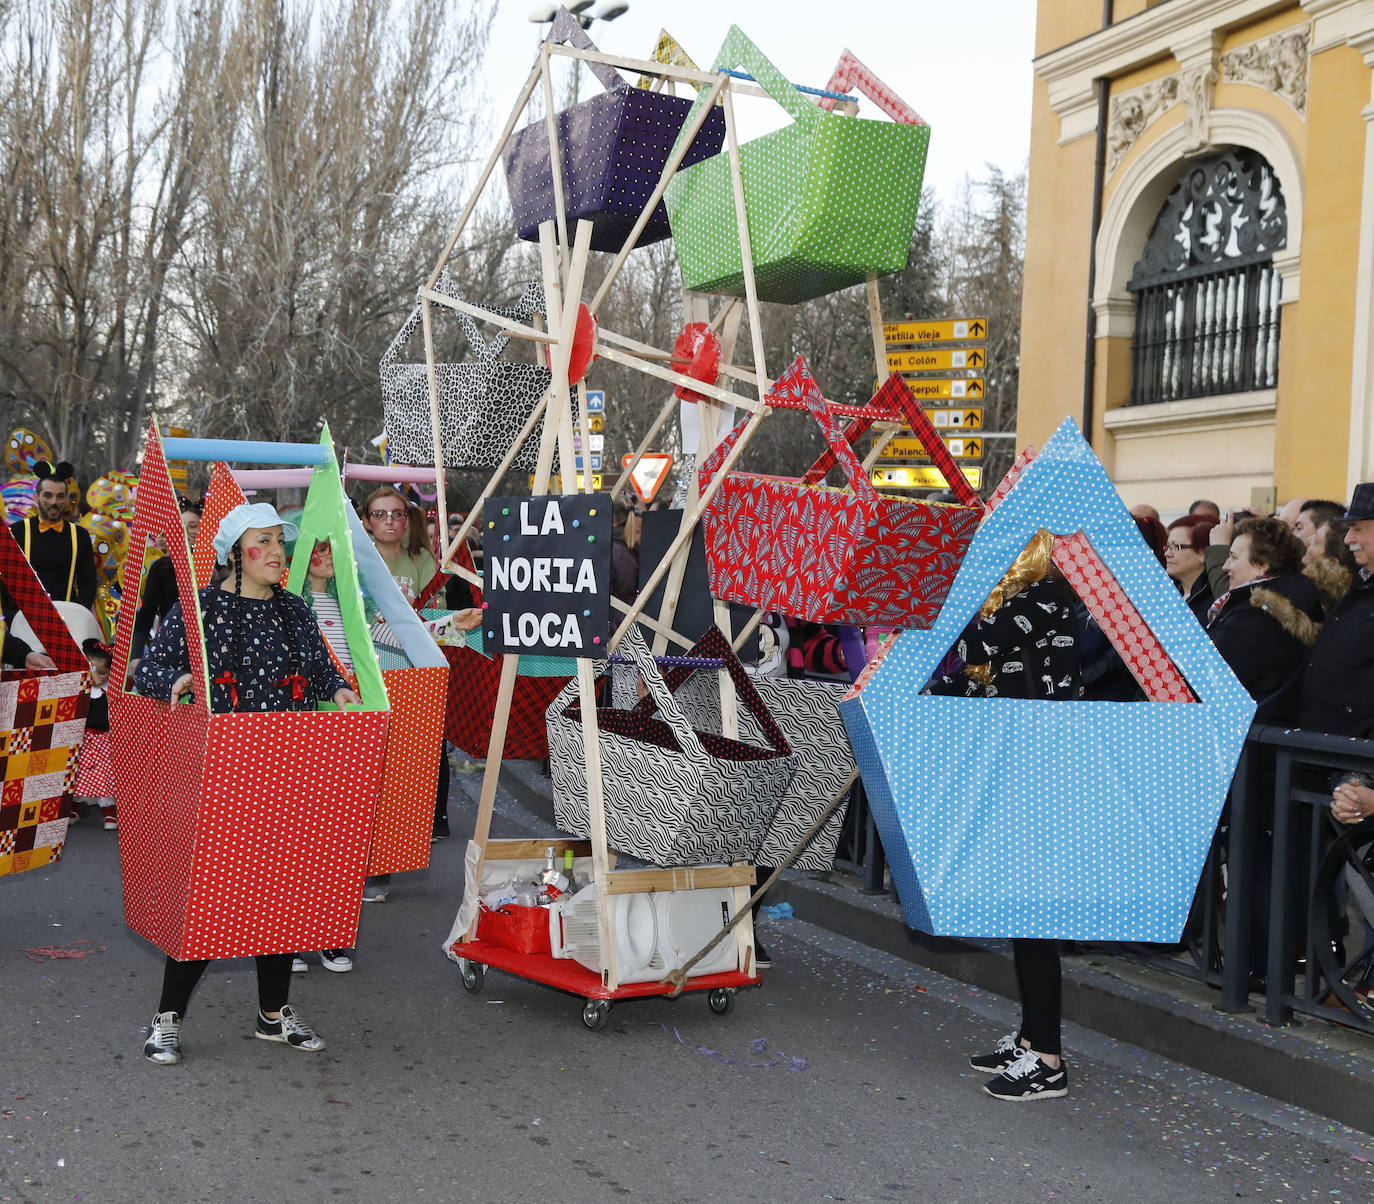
(1286,893)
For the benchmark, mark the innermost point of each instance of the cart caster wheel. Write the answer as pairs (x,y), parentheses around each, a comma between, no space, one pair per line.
(594,1013)
(720,1000)
(473,974)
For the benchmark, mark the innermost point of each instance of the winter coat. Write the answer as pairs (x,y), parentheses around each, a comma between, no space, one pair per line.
(1264,629)
(1337,690)
(1201,597)
(1331,578)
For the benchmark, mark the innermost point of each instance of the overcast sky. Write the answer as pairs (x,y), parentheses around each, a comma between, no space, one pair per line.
(965,67)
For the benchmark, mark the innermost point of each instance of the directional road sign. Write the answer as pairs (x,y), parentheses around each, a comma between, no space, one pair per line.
(596,401)
(923,476)
(596,422)
(968,419)
(934,388)
(936,359)
(598,442)
(903,447)
(556,482)
(596,463)
(946,331)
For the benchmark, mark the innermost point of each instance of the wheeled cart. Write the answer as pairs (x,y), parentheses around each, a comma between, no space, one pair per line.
(475,956)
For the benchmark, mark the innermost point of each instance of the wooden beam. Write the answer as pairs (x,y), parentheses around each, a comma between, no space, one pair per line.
(718,83)
(516,330)
(525,93)
(648,882)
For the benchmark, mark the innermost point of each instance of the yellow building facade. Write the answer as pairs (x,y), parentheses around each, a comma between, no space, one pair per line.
(1199,276)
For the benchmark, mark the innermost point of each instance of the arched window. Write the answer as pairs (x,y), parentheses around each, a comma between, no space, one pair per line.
(1206,292)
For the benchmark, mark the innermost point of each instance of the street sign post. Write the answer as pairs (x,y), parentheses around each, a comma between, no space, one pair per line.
(556,482)
(596,401)
(936,359)
(922,476)
(907,447)
(950,330)
(934,388)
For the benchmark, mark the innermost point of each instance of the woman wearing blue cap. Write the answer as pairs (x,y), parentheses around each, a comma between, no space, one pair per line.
(264,653)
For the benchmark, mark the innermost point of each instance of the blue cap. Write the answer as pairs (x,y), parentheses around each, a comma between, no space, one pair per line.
(241,519)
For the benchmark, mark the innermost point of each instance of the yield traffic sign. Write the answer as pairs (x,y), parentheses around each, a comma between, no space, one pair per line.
(649,473)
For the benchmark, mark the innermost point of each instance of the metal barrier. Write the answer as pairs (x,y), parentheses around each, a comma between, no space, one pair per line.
(1268,917)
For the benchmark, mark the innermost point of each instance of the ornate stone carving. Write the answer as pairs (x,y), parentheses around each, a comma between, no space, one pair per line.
(1278,63)
(1132,111)
(1196,86)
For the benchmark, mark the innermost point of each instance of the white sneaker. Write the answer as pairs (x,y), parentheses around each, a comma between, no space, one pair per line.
(163,1045)
(337,960)
(299,965)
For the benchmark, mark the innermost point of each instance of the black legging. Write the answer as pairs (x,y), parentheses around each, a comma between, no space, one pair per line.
(441,786)
(179,980)
(1041,986)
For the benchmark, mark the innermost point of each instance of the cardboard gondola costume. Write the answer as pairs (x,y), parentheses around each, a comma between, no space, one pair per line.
(249,834)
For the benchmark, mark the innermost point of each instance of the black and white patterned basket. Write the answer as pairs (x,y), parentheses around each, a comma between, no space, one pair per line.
(674,796)
(482,404)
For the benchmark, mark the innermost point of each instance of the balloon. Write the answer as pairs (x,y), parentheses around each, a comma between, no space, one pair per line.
(113,494)
(696,354)
(20,495)
(110,541)
(583,348)
(23,449)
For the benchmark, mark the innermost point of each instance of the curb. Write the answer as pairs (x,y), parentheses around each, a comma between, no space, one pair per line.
(1168,1015)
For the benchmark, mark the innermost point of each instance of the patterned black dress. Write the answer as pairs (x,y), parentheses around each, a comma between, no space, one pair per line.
(283,664)
(1031,644)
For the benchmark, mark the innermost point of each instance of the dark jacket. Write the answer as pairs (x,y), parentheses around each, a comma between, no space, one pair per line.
(275,640)
(1264,630)
(1200,597)
(159,596)
(1337,690)
(1030,644)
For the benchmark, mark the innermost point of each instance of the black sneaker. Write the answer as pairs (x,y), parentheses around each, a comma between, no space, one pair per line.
(1002,1056)
(762,959)
(289,1029)
(1029,1078)
(440,831)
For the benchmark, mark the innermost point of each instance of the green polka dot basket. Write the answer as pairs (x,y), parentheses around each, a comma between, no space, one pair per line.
(830,199)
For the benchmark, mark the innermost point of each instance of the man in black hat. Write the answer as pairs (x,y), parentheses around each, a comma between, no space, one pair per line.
(59,550)
(1338,678)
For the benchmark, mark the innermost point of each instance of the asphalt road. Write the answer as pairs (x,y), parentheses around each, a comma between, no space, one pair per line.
(843,1078)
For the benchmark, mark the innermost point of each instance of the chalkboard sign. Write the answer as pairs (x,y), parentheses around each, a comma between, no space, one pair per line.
(547,574)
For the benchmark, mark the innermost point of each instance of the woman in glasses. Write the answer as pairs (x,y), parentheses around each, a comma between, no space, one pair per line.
(400,538)
(1185,552)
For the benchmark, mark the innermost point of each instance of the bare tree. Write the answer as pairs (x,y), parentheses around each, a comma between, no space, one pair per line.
(984,238)
(321,203)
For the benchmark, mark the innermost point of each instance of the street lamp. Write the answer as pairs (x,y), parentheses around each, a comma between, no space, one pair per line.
(607,10)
